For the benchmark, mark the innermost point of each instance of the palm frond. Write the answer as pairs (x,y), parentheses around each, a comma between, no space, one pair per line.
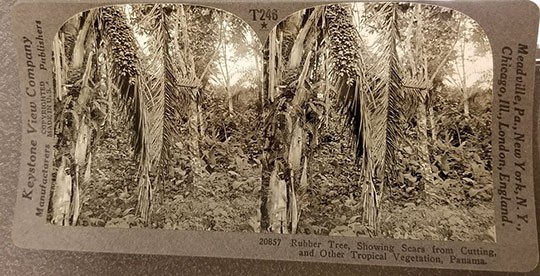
(132,87)
(162,92)
(347,72)
(121,40)
(388,94)
(370,103)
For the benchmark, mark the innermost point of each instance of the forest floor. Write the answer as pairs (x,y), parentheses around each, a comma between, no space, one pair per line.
(227,199)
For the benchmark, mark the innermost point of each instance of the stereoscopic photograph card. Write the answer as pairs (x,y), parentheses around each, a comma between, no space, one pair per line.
(366,133)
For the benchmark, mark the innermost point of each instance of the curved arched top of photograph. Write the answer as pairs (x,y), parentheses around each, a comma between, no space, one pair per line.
(354,119)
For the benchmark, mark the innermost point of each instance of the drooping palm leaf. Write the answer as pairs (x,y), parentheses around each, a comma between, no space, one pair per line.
(131,84)
(347,70)
(370,102)
(384,112)
(162,94)
(387,90)
(123,45)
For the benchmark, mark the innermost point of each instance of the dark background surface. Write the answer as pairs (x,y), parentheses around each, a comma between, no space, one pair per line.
(16,261)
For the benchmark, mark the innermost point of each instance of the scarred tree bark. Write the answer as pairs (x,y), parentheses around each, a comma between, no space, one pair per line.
(74,154)
(284,164)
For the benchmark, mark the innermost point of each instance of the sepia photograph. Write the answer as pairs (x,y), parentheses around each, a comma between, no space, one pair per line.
(353,119)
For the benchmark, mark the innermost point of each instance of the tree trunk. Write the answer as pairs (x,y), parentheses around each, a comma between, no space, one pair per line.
(228,83)
(261,81)
(273,49)
(464,89)
(284,179)
(193,122)
(434,128)
(191,94)
(466,104)
(75,161)
(419,71)
(58,68)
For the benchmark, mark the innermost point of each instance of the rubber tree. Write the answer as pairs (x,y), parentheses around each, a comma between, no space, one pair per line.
(430,36)
(295,55)
(78,99)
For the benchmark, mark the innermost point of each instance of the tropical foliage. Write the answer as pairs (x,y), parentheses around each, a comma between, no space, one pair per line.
(352,119)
